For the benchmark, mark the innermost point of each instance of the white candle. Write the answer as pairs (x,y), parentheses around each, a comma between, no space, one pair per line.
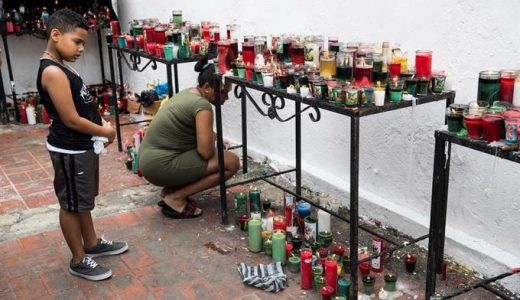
(516,93)
(291,90)
(379,97)
(31,117)
(269,226)
(304,91)
(268,79)
(323,221)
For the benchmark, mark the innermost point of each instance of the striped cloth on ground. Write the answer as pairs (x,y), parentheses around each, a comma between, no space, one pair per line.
(270,278)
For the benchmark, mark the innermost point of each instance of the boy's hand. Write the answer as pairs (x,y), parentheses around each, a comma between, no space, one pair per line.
(111,132)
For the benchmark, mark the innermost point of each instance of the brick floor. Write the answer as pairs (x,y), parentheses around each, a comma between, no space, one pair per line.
(167,259)
(26,171)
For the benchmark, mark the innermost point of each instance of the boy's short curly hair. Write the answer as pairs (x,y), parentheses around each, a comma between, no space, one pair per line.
(65,20)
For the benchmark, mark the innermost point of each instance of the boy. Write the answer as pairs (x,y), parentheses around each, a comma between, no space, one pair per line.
(75,120)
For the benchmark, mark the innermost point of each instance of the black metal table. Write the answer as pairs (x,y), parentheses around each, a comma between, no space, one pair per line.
(133,63)
(274,100)
(439,206)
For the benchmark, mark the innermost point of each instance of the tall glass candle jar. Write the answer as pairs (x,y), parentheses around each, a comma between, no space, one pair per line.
(345,65)
(149,34)
(363,71)
(297,54)
(423,63)
(488,86)
(493,127)
(306,269)
(160,35)
(224,63)
(177,18)
(327,64)
(233,48)
(248,53)
(507,85)
(331,273)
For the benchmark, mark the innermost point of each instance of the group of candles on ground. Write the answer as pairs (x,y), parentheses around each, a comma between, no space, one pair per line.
(304,244)
(496,114)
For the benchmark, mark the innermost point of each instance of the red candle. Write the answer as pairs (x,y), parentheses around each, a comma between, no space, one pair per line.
(140,41)
(474,126)
(493,127)
(363,74)
(129,42)
(249,76)
(365,268)
(331,273)
(216,36)
(205,32)
(248,53)
(288,249)
(507,85)
(338,250)
(233,47)
(160,35)
(159,50)
(116,29)
(298,55)
(22,113)
(223,55)
(279,222)
(394,69)
(306,269)
(149,34)
(322,252)
(195,47)
(423,63)
(326,292)
(150,48)
(45,116)
(409,262)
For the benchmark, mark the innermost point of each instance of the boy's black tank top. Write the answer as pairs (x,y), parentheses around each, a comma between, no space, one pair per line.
(61,136)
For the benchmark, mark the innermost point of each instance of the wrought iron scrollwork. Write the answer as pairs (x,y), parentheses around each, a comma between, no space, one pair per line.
(135,61)
(274,104)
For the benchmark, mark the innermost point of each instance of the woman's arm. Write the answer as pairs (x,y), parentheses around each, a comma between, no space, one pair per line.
(205,135)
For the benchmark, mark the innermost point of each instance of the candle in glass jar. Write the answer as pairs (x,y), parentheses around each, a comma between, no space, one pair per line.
(390,282)
(279,246)
(149,34)
(160,35)
(379,94)
(248,53)
(323,221)
(279,223)
(493,127)
(331,273)
(298,54)
(327,64)
(409,262)
(254,228)
(224,63)
(344,287)
(365,268)
(507,84)
(363,71)
(306,269)
(326,292)
(488,86)
(516,91)
(423,63)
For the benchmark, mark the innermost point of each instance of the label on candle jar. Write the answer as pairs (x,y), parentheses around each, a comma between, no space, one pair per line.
(377,247)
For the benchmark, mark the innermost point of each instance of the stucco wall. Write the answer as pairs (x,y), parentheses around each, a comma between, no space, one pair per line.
(25,52)
(397,147)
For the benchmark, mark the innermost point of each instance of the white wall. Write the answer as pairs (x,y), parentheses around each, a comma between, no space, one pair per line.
(25,52)
(396,148)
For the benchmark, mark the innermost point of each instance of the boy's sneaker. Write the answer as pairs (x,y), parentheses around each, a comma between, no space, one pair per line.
(89,269)
(106,247)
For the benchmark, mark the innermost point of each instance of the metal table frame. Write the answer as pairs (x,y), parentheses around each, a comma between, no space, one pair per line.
(439,206)
(274,100)
(133,62)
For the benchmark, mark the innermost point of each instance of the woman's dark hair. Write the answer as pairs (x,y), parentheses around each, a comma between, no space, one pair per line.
(65,20)
(206,71)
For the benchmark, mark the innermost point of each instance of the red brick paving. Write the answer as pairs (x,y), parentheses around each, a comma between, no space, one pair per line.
(26,171)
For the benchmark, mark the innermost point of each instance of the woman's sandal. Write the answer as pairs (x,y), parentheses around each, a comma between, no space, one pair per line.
(161,203)
(188,212)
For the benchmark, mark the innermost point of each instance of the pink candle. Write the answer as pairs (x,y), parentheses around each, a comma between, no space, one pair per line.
(331,273)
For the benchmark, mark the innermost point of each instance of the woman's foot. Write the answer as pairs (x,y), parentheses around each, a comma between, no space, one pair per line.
(188,211)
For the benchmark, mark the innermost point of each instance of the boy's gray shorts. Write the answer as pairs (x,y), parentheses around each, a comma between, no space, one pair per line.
(76,180)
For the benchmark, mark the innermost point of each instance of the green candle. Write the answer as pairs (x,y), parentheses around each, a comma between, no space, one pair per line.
(325,238)
(422,86)
(344,287)
(255,235)
(390,282)
(319,282)
(317,270)
(240,204)
(368,284)
(279,246)
(488,86)
(294,264)
(254,200)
